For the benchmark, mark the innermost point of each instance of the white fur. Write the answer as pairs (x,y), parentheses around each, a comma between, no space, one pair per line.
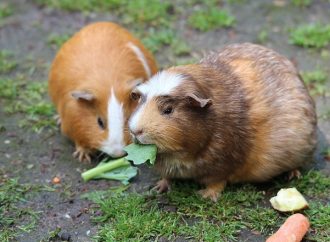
(141,58)
(133,123)
(163,83)
(114,144)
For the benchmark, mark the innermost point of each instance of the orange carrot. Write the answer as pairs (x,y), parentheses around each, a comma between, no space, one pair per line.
(293,229)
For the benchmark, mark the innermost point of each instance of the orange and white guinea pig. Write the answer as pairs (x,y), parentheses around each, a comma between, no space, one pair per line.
(240,115)
(90,82)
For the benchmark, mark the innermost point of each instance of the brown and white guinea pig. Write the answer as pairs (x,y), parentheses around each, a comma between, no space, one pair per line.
(240,115)
(90,82)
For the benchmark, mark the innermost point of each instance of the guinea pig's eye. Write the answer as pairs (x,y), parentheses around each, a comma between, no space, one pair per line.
(100,122)
(167,111)
(135,96)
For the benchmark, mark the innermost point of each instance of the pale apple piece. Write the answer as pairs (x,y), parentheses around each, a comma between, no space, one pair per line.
(288,200)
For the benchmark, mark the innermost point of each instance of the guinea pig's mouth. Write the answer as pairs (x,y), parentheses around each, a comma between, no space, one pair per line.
(141,139)
(113,151)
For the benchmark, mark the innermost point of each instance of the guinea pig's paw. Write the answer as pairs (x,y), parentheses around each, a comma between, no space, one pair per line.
(209,193)
(58,119)
(294,174)
(82,154)
(213,191)
(162,186)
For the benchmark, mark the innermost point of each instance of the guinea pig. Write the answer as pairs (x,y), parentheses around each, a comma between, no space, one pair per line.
(90,82)
(240,115)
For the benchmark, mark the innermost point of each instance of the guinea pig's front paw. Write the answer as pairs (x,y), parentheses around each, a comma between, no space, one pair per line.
(209,193)
(212,191)
(82,154)
(294,174)
(162,186)
(58,120)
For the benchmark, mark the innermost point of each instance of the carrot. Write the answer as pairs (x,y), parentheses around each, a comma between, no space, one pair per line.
(293,229)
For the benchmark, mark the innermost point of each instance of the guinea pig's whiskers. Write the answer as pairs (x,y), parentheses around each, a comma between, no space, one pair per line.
(173,127)
(166,141)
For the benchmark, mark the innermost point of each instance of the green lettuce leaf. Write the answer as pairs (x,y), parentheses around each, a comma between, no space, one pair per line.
(120,169)
(123,174)
(140,154)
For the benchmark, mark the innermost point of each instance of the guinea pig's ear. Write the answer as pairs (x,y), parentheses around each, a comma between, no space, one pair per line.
(83,95)
(198,102)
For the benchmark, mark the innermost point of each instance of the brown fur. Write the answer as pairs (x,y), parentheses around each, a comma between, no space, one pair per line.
(261,122)
(95,59)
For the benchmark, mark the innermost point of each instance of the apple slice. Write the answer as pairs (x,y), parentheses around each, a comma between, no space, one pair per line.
(288,200)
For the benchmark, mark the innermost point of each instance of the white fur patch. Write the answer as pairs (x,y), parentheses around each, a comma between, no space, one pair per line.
(141,58)
(163,83)
(115,142)
(133,123)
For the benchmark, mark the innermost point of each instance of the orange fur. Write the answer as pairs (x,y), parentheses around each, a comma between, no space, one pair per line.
(95,59)
(259,113)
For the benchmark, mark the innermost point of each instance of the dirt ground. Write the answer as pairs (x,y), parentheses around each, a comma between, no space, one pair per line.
(38,157)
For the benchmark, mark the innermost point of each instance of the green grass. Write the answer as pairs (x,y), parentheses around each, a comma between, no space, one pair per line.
(312,184)
(194,217)
(180,47)
(147,221)
(326,151)
(56,40)
(5,11)
(52,235)
(8,89)
(184,61)
(301,3)
(211,18)
(151,12)
(236,1)
(311,35)
(182,214)
(324,116)
(84,5)
(156,40)
(263,36)
(316,81)
(151,19)
(2,128)
(28,98)
(7,64)
(143,223)
(15,218)
(319,215)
